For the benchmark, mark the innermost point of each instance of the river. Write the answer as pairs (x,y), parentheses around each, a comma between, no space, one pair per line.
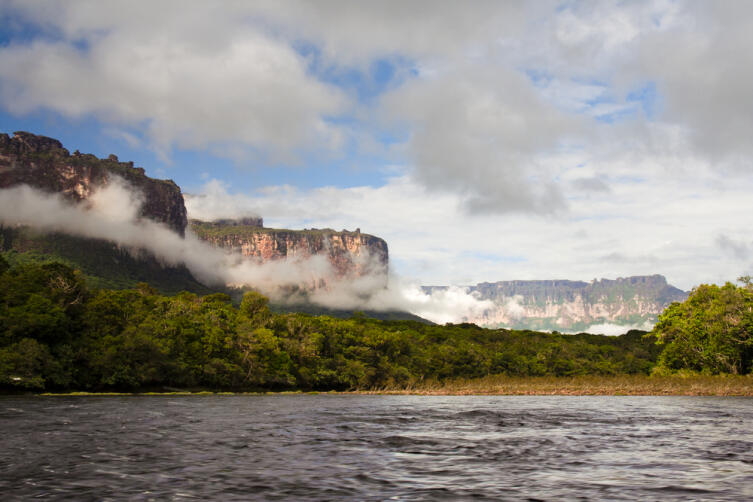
(359,447)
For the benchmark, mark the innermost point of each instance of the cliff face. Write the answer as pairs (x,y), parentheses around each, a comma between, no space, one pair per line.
(43,163)
(351,254)
(575,305)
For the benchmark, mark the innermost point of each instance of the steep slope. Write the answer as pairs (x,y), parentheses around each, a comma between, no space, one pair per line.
(575,305)
(351,254)
(43,163)
(104,264)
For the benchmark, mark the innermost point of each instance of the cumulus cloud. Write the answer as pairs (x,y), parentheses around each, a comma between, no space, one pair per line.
(738,249)
(197,77)
(681,64)
(593,184)
(698,60)
(215,203)
(481,133)
(485,94)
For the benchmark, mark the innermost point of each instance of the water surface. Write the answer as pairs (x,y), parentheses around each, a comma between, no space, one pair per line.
(334,447)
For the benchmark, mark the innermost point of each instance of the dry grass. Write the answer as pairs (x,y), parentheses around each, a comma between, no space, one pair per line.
(621,385)
(588,385)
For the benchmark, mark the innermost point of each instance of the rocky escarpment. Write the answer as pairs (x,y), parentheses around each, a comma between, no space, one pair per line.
(575,305)
(351,254)
(43,163)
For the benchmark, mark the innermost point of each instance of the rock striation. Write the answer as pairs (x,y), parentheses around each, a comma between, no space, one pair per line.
(575,305)
(351,254)
(43,163)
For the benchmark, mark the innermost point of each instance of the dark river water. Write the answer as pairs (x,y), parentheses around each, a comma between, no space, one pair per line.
(328,447)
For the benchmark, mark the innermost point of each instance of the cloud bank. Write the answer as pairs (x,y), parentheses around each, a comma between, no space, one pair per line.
(480,101)
(111,213)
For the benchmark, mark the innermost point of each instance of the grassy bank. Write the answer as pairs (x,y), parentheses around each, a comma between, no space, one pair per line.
(621,385)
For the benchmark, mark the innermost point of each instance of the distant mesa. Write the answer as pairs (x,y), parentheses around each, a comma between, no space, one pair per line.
(570,306)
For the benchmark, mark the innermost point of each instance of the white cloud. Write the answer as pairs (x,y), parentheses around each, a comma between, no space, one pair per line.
(700,65)
(611,329)
(738,249)
(111,213)
(660,224)
(482,133)
(195,81)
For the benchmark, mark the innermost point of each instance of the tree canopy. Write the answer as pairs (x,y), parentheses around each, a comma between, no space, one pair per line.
(712,331)
(57,334)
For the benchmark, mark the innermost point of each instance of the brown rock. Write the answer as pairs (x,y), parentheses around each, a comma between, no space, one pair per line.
(351,254)
(43,163)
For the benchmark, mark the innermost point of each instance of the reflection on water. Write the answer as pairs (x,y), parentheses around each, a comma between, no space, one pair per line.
(320,447)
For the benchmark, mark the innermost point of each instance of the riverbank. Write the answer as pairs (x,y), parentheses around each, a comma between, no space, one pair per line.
(620,385)
(588,385)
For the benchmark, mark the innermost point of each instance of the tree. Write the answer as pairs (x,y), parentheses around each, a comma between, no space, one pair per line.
(255,308)
(711,331)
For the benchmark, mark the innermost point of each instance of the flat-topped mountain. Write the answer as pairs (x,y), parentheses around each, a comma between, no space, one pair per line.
(43,163)
(575,305)
(349,253)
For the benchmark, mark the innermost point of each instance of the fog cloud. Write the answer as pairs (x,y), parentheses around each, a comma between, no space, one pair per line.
(612,329)
(112,214)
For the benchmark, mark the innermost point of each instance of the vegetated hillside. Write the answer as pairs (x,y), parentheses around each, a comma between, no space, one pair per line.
(43,163)
(351,254)
(103,264)
(575,305)
(57,334)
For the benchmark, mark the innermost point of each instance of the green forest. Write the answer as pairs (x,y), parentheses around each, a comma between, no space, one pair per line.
(59,334)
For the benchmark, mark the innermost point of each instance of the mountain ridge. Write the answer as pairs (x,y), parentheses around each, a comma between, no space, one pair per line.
(572,305)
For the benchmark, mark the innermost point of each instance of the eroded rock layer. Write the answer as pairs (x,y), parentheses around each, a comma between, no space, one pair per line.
(43,163)
(351,254)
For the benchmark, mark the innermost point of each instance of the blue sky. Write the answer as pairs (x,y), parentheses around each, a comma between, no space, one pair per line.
(483,142)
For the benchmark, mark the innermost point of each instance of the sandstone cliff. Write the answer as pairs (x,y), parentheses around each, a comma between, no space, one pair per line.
(43,163)
(575,305)
(351,254)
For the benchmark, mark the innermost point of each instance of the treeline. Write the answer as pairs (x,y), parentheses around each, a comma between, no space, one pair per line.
(57,334)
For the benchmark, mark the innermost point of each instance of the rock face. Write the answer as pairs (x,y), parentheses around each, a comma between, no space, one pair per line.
(43,163)
(351,254)
(575,305)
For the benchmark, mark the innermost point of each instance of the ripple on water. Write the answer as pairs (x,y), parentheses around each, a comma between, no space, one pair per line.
(377,448)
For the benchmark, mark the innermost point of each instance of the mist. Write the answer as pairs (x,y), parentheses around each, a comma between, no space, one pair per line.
(112,214)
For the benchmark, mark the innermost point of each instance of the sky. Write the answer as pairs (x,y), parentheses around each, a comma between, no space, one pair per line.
(484,141)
